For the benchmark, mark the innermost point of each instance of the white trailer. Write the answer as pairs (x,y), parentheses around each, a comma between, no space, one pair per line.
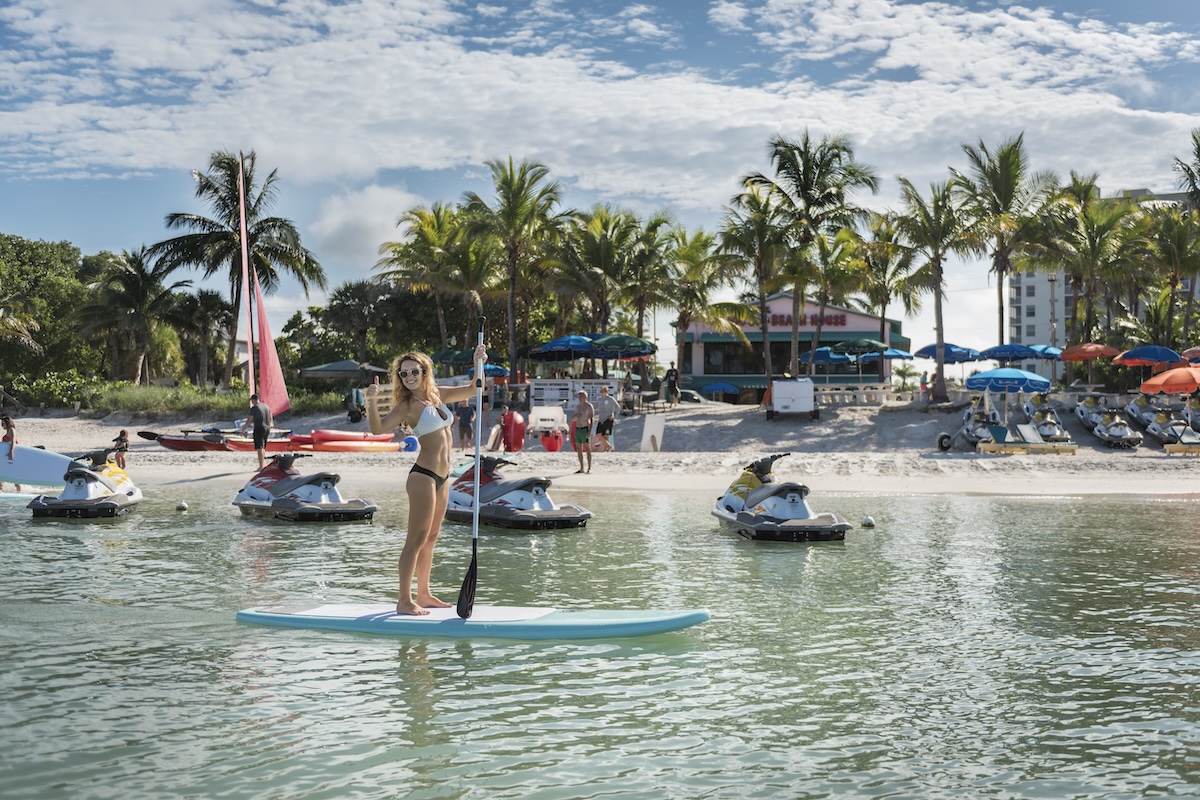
(793,396)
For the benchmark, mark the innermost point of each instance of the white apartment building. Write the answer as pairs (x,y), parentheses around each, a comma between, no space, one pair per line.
(1041,305)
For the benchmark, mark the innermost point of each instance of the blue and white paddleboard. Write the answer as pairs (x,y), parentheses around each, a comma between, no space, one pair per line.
(494,622)
(33,466)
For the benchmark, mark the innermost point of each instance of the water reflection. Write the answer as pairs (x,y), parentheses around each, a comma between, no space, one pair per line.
(967,646)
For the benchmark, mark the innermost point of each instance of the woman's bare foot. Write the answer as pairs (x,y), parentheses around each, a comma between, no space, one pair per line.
(410,609)
(429,601)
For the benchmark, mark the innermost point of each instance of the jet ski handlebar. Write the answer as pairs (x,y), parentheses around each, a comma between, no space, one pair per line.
(764,465)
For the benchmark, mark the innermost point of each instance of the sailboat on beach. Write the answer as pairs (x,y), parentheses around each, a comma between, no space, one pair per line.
(271,388)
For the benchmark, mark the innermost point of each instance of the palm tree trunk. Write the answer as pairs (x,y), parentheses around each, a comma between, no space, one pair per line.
(766,341)
(512,307)
(816,340)
(939,378)
(882,334)
(1000,304)
(797,304)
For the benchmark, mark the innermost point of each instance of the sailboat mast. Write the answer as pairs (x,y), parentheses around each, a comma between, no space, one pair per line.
(246,275)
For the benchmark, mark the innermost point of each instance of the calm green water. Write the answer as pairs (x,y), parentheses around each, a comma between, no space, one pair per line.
(966,647)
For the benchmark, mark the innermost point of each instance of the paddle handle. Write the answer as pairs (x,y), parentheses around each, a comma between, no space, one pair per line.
(466,595)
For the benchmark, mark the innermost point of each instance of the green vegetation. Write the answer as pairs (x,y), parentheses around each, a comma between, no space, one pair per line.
(102,329)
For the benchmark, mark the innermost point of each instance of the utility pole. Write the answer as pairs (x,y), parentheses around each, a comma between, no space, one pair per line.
(1052,279)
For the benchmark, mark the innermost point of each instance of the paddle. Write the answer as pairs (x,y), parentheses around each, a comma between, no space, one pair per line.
(466,595)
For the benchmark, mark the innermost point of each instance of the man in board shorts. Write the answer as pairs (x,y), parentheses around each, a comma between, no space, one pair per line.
(260,418)
(585,413)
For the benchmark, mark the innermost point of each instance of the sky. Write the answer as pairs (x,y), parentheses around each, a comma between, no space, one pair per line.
(368,108)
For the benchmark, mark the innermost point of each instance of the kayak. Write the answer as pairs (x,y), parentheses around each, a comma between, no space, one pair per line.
(485,622)
(245,444)
(323,435)
(356,447)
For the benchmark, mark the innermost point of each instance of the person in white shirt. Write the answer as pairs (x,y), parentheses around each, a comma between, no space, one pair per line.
(607,410)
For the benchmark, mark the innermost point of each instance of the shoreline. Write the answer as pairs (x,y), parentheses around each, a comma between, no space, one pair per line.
(853,450)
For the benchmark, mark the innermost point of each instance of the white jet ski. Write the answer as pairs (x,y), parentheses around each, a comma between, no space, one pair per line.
(279,491)
(519,503)
(96,489)
(755,506)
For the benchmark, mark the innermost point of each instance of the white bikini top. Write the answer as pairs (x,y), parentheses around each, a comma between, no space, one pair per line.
(433,417)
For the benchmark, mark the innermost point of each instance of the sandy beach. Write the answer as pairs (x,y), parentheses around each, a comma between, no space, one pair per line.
(850,449)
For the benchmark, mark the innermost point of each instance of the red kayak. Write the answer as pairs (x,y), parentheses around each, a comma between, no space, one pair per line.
(209,441)
(321,435)
(245,444)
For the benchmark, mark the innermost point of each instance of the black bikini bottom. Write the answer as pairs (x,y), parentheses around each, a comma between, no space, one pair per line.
(438,480)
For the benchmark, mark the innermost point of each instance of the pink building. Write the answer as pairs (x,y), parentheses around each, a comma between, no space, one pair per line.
(710,357)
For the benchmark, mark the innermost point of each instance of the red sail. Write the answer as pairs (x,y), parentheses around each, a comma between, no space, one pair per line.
(271,389)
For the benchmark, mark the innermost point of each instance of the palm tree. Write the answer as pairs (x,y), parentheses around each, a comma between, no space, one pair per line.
(352,311)
(837,272)
(597,252)
(813,181)
(520,221)
(1003,201)
(932,230)
(888,273)
(17,324)
(215,243)
(422,260)
(1175,249)
(202,317)
(697,274)
(755,235)
(1189,172)
(131,299)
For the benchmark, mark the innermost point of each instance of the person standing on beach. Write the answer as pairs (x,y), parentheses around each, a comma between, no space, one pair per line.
(10,436)
(260,418)
(607,410)
(121,447)
(584,414)
(419,403)
(466,425)
(672,379)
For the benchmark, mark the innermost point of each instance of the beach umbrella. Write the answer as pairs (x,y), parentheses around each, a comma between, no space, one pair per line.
(858,346)
(1047,352)
(890,354)
(1088,351)
(1007,379)
(1009,352)
(719,388)
(823,355)
(620,345)
(1192,354)
(1181,380)
(490,371)
(564,348)
(347,369)
(952,353)
(1147,355)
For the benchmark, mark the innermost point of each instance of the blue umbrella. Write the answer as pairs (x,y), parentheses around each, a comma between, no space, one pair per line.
(890,354)
(564,348)
(1047,352)
(953,354)
(491,371)
(1009,352)
(823,355)
(720,388)
(1148,354)
(1007,379)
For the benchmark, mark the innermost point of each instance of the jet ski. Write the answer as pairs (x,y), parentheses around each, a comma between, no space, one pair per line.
(1142,410)
(279,491)
(755,506)
(519,503)
(1091,409)
(1170,429)
(976,428)
(96,489)
(1115,431)
(1049,426)
(1041,402)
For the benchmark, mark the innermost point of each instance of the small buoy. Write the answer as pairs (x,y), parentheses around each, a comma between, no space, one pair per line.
(868,522)
(181,506)
(410,444)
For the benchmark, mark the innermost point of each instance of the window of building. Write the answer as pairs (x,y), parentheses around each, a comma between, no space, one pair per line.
(1031,311)
(1030,332)
(1029,290)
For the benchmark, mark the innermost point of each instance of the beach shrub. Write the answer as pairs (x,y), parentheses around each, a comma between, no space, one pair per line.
(58,389)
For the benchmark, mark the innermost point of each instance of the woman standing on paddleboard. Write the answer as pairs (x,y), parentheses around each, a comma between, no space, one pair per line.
(418,403)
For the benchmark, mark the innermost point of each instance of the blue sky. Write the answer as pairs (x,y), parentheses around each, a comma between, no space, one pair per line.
(370,107)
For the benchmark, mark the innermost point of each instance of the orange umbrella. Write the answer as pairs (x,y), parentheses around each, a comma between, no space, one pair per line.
(1087,351)
(1181,380)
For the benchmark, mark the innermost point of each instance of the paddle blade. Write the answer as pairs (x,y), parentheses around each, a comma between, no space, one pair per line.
(466,595)
(151,435)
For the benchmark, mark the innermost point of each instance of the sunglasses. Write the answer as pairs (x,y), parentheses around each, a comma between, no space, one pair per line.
(416,373)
